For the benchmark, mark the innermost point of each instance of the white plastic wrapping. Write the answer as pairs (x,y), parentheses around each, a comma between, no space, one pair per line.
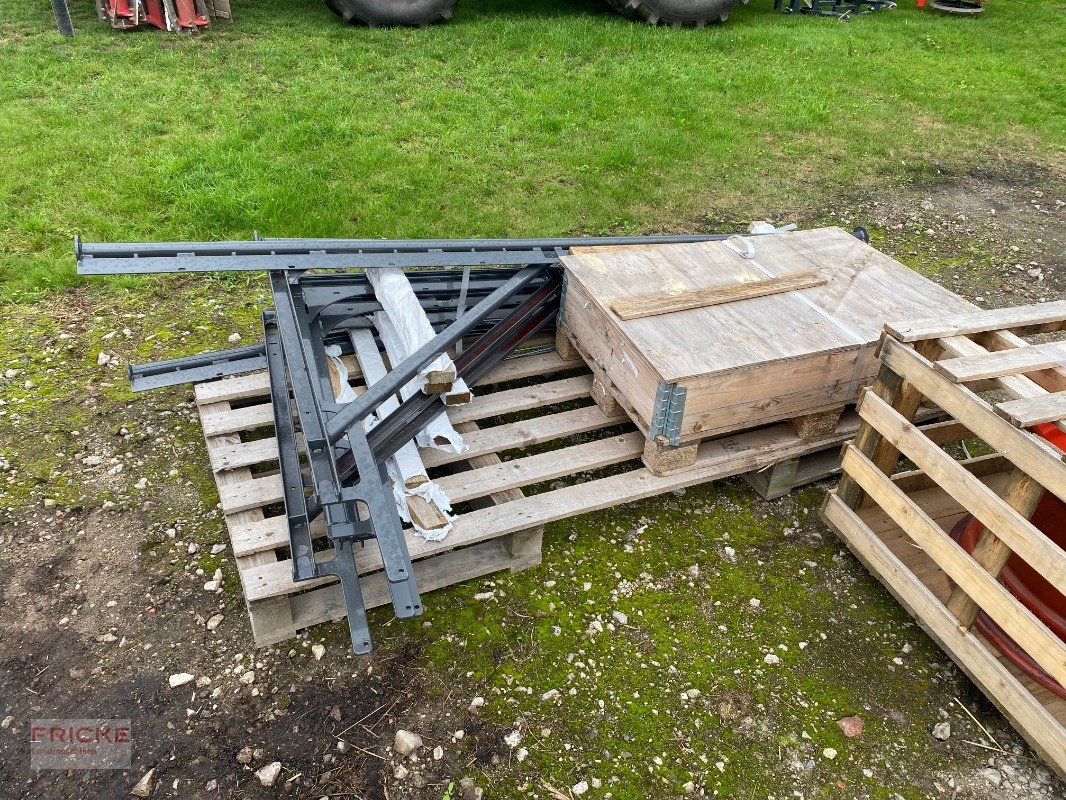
(439,432)
(347,394)
(412,326)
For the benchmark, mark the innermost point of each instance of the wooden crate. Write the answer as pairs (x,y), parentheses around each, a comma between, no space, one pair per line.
(751,360)
(555,415)
(992,382)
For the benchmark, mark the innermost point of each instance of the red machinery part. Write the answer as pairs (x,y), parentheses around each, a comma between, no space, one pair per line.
(1031,589)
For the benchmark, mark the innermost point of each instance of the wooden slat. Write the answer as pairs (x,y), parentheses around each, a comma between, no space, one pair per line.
(1003,362)
(526,433)
(1015,530)
(219,423)
(523,399)
(1028,452)
(1041,317)
(244,454)
(1029,411)
(1017,386)
(251,493)
(1019,623)
(541,467)
(651,305)
(719,458)
(257,384)
(1040,728)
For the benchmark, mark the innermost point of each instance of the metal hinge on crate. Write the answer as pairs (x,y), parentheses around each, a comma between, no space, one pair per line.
(667,412)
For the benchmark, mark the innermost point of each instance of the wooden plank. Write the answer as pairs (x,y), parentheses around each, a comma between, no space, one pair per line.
(1029,411)
(511,400)
(1019,622)
(220,423)
(1016,531)
(1003,362)
(1032,454)
(1039,317)
(533,366)
(718,458)
(238,387)
(651,305)
(542,467)
(1040,728)
(526,433)
(1018,386)
(251,493)
(244,454)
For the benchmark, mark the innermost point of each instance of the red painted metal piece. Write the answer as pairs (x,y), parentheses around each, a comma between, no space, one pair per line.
(1033,591)
(155,15)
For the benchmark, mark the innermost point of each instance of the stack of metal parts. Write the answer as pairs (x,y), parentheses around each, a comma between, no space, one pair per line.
(176,16)
(331,464)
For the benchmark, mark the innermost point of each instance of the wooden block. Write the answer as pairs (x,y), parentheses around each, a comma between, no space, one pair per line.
(651,305)
(563,347)
(815,426)
(1003,362)
(425,514)
(775,482)
(662,458)
(604,395)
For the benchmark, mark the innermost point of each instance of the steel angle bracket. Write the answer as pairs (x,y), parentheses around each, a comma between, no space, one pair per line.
(667,412)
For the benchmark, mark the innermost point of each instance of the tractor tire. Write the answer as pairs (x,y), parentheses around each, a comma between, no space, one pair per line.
(678,13)
(393,13)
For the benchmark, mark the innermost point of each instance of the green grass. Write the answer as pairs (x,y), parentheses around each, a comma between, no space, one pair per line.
(543,117)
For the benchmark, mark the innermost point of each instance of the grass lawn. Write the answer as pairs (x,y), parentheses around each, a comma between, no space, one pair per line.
(531,118)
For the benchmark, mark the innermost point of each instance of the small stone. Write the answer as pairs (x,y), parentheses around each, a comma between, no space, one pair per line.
(214,621)
(107,638)
(771,659)
(620,618)
(851,726)
(248,678)
(244,755)
(49,502)
(829,753)
(335,713)
(688,787)
(268,775)
(318,650)
(406,743)
(993,776)
(343,746)
(942,731)
(755,602)
(141,484)
(217,548)
(102,360)
(7,722)
(690,694)
(521,754)
(400,772)
(193,548)
(580,788)
(180,679)
(212,785)
(203,681)
(482,596)
(234,338)
(477,703)
(144,785)
(512,739)
(438,753)
(551,694)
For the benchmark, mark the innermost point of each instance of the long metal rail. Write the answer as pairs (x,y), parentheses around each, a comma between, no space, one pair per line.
(303,254)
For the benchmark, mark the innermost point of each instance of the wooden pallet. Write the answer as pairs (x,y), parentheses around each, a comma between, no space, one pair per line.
(501,528)
(980,370)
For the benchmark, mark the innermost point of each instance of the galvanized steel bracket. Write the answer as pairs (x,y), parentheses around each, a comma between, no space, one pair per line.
(667,412)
